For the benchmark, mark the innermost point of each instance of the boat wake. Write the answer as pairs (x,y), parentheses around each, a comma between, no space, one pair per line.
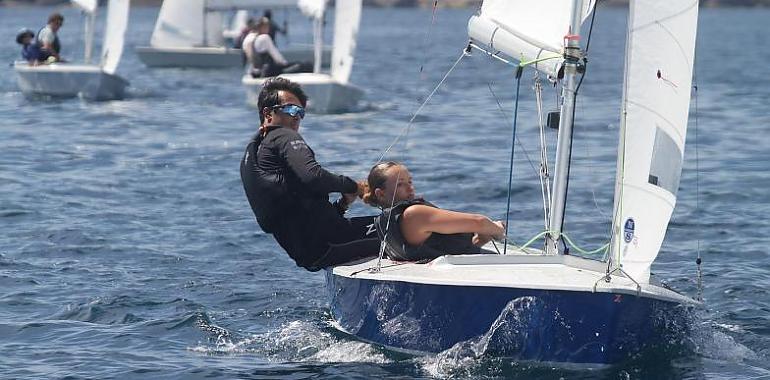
(296,341)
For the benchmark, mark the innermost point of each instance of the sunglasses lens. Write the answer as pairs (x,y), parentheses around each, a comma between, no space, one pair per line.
(295,110)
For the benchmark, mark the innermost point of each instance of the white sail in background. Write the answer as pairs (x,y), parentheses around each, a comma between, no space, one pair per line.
(88,6)
(526,30)
(232,5)
(179,24)
(214,25)
(347,17)
(115,30)
(312,8)
(659,62)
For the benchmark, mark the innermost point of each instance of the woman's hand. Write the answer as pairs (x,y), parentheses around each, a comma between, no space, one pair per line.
(499,233)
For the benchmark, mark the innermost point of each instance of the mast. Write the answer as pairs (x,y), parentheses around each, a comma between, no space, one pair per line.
(318,42)
(572,55)
(89,35)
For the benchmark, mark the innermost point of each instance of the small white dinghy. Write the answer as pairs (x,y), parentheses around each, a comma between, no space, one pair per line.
(90,81)
(327,93)
(549,305)
(191,33)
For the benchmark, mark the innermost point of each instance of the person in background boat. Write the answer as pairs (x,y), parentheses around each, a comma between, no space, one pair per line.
(274,28)
(30,51)
(288,190)
(267,61)
(49,40)
(413,228)
(247,29)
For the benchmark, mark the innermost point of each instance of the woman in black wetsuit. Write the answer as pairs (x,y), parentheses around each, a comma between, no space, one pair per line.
(415,229)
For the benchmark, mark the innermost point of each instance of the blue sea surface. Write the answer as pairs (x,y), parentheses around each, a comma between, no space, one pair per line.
(128,249)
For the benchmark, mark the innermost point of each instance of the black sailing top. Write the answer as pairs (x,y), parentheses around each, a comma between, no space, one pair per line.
(286,186)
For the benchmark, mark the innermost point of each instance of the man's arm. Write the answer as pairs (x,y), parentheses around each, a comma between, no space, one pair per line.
(301,160)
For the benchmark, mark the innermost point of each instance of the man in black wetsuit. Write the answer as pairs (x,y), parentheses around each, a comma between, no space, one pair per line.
(288,190)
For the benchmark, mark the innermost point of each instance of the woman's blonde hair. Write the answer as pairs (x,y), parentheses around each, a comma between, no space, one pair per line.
(376,180)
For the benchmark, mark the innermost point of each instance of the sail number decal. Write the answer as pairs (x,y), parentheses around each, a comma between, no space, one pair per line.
(628,230)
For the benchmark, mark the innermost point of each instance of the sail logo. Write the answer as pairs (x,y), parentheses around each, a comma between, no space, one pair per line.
(628,230)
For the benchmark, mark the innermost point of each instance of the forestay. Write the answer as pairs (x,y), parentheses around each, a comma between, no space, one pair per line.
(347,16)
(115,29)
(659,62)
(526,30)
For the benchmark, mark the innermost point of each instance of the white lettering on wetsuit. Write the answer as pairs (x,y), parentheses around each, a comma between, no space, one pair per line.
(298,144)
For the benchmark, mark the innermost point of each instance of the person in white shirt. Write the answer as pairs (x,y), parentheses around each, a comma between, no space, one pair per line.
(266,60)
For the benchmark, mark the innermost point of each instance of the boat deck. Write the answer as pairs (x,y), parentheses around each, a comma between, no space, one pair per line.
(524,271)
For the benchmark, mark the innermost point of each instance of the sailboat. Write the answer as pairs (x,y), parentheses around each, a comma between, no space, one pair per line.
(327,92)
(191,33)
(544,304)
(91,81)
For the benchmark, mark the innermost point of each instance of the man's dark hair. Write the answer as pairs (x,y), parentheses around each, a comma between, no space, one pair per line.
(55,17)
(268,13)
(268,97)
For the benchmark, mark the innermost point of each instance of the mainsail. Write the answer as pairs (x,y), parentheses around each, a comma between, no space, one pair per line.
(347,16)
(179,24)
(115,29)
(659,61)
(526,30)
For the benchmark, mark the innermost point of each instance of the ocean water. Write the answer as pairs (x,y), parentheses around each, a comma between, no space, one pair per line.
(128,250)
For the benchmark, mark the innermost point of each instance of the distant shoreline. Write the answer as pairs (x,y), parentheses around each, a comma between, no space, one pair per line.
(406,3)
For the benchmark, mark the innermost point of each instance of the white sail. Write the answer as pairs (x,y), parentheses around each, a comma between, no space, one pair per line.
(312,8)
(659,60)
(526,30)
(230,5)
(214,25)
(115,30)
(88,6)
(237,24)
(347,16)
(179,24)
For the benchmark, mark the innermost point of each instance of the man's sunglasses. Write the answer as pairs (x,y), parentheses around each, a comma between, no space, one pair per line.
(292,110)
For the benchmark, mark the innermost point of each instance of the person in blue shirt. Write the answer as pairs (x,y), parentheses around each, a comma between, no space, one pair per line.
(30,50)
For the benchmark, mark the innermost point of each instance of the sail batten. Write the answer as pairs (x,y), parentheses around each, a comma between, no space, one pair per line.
(659,60)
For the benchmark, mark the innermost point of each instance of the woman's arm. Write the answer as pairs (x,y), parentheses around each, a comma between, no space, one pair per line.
(419,221)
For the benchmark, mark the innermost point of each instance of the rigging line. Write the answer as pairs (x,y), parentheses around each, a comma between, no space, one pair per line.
(507,120)
(588,44)
(405,130)
(426,42)
(519,71)
(543,175)
(698,260)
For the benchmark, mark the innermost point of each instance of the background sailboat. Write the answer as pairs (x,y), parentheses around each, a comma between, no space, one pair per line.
(332,92)
(543,304)
(92,81)
(191,33)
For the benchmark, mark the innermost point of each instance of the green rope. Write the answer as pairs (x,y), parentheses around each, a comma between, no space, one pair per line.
(527,63)
(569,241)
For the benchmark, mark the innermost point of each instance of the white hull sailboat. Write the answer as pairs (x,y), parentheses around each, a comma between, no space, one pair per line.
(190,33)
(95,82)
(547,305)
(332,92)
